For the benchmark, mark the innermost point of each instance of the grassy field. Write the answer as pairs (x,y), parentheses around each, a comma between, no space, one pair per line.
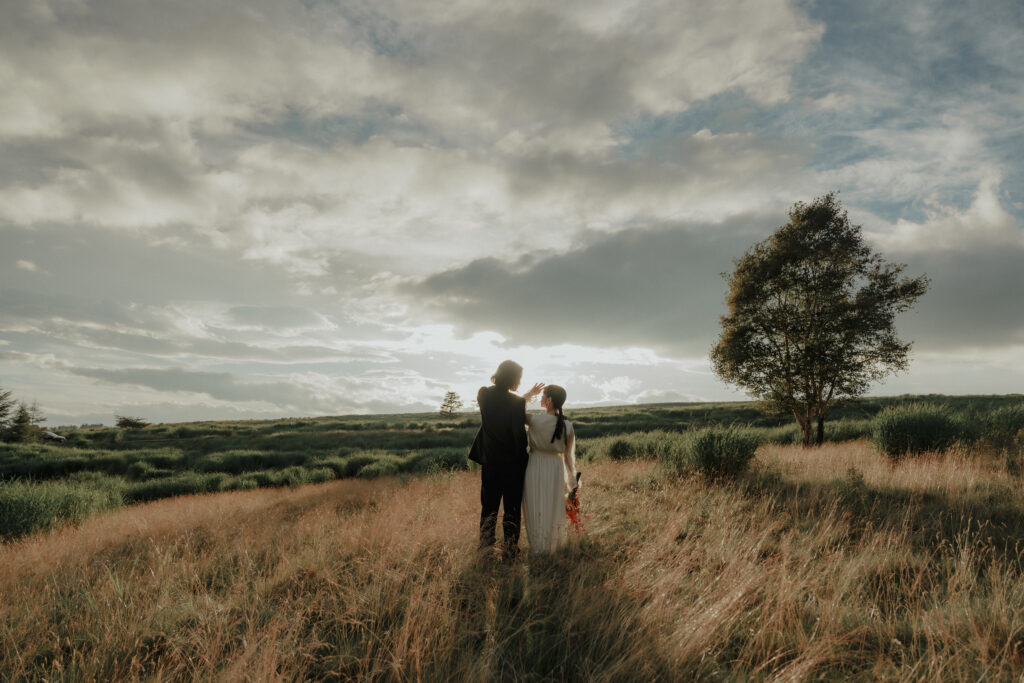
(834,563)
(96,470)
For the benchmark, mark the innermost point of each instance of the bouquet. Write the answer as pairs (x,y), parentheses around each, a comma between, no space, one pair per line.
(572,506)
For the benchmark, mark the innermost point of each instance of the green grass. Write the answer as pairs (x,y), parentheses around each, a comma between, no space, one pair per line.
(165,460)
(27,507)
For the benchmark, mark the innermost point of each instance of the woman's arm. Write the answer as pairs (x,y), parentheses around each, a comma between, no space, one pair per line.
(569,459)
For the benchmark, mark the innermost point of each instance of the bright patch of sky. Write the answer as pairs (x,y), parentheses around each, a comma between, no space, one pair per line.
(225,210)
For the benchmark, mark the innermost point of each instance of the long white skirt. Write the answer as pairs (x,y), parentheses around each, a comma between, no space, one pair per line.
(544,502)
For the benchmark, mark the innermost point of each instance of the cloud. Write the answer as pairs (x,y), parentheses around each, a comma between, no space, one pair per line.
(304,194)
(918,102)
(218,385)
(982,225)
(976,299)
(659,288)
(304,129)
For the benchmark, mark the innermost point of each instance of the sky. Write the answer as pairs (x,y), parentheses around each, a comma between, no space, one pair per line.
(233,209)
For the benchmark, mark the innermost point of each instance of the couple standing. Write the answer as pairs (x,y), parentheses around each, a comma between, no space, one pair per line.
(528,463)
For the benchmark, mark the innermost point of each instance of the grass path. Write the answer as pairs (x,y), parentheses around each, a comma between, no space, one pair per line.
(805,568)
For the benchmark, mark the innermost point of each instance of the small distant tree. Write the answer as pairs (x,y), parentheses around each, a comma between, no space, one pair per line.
(450,405)
(126,422)
(7,404)
(811,313)
(36,415)
(21,428)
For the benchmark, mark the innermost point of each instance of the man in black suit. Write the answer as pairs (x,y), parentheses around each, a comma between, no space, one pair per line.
(500,448)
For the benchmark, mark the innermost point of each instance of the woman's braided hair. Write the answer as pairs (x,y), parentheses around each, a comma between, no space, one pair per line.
(557,396)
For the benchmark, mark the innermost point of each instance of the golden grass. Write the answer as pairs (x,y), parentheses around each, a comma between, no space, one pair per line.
(798,571)
(948,473)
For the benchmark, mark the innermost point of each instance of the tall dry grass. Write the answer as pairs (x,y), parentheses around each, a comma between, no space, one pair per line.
(805,568)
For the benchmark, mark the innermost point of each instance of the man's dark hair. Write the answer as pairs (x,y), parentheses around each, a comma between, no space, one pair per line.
(508,374)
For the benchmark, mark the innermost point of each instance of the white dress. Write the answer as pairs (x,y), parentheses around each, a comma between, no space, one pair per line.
(548,480)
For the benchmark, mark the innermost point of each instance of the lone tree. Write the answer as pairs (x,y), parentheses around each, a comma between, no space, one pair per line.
(811,312)
(128,422)
(451,404)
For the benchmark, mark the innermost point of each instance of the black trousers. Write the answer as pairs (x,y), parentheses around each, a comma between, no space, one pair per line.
(501,483)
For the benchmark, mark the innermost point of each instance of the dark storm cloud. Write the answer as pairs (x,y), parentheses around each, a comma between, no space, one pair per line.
(659,288)
(976,299)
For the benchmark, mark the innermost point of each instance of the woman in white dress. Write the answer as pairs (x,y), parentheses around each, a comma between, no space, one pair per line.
(550,473)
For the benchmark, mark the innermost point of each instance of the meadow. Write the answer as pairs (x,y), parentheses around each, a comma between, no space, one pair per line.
(715,548)
(98,469)
(836,563)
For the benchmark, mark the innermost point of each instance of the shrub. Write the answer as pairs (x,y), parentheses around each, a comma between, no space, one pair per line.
(27,507)
(357,461)
(782,435)
(336,463)
(436,459)
(238,461)
(714,451)
(621,449)
(317,475)
(382,467)
(242,484)
(916,428)
(1004,428)
(846,430)
(180,485)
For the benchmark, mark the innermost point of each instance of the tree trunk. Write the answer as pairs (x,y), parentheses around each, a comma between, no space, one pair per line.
(821,431)
(805,427)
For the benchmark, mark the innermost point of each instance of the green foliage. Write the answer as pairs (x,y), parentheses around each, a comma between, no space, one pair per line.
(917,428)
(1003,428)
(355,463)
(435,460)
(27,507)
(635,445)
(811,316)
(236,462)
(7,404)
(782,435)
(178,485)
(621,449)
(724,451)
(20,429)
(166,460)
(381,467)
(127,422)
(847,430)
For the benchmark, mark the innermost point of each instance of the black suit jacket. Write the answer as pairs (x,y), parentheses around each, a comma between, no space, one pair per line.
(502,435)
